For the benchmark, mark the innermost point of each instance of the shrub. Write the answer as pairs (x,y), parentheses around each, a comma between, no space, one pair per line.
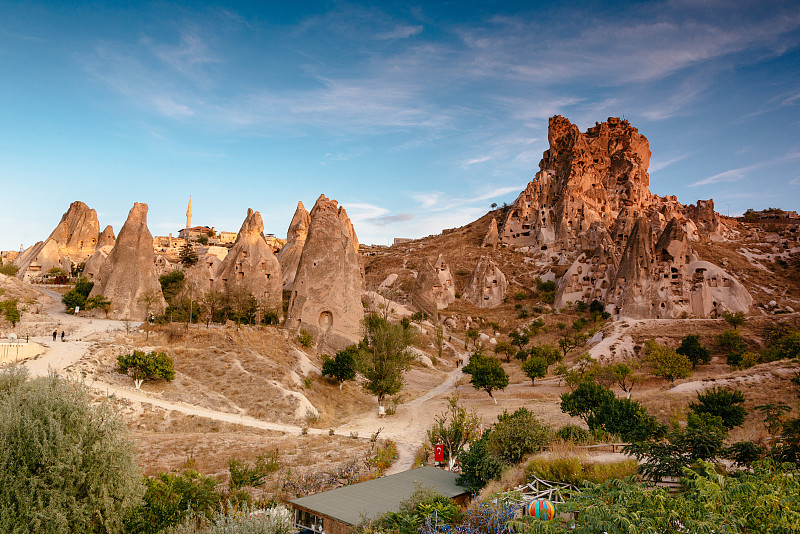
(243,473)
(731,341)
(692,349)
(67,462)
(573,471)
(305,339)
(520,295)
(786,346)
(478,466)
(725,403)
(171,498)
(9,269)
(574,434)
(419,316)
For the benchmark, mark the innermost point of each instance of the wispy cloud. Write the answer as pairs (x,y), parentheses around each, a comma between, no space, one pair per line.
(657,165)
(436,201)
(401,32)
(735,175)
(475,161)
(390,219)
(796,181)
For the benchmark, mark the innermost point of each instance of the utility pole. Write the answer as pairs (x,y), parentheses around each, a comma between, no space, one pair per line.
(191,297)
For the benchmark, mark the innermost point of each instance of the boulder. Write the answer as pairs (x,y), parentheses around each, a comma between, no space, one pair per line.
(128,275)
(326,295)
(487,285)
(250,266)
(289,256)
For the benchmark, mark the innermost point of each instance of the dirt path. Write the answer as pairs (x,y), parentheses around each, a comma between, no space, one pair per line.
(407,428)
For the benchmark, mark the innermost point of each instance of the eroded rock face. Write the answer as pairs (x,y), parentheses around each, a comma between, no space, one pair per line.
(326,296)
(487,286)
(128,275)
(433,289)
(72,241)
(251,266)
(590,207)
(492,237)
(289,256)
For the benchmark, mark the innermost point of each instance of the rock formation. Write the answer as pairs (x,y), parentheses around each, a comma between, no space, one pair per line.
(487,286)
(433,290)
(250,265)
(72,241)
(107,237)
(492,237)
(289,256)
(128,275)
(590,207)
(326,296)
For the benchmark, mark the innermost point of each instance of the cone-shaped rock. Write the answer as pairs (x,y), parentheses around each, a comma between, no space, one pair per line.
(326,297)
(487,286)
(107,237)
(128,275)
(72,241)
(433,290)
(492,237)
(289,256)
(251,266)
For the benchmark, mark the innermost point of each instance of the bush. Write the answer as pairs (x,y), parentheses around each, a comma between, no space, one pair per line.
(520,295)
(76,297)
(305,339)
(574,434)
(731,341)
(252,474)
(572,470)
(786,346)
(66,462)
(171,498)
(692,349)
(9,269)
(724,403)
(516,435)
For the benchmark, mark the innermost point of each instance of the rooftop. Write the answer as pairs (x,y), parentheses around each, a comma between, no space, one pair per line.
(375,497)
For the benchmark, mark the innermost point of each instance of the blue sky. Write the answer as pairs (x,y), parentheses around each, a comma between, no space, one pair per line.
(415,116)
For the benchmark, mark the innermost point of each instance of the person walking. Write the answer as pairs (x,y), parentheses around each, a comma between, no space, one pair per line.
(62,335)
(55,333)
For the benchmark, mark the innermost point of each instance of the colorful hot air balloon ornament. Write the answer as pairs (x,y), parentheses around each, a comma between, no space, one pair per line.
(540,509)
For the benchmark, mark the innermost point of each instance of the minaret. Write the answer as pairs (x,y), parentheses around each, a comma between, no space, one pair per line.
(189,214)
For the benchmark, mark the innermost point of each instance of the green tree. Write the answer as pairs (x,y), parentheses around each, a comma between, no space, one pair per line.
(150,366)
(725,403)
(516,435)
(187,255)
(734,319)
(667,363)
(454,429)
(478,466)
(66,461)
(692,349)
(474,335)
(622,375)
(341,367)
(99,302)
(384,356)
(76,297)
(506,348)
(534,367)
(172,284)
(486,373)
(9,269)
(149,300)
(10,311)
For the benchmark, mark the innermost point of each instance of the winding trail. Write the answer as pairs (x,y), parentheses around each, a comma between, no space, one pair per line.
(407,428)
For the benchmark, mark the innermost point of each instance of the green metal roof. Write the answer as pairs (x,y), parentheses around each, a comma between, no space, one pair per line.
(369,499)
